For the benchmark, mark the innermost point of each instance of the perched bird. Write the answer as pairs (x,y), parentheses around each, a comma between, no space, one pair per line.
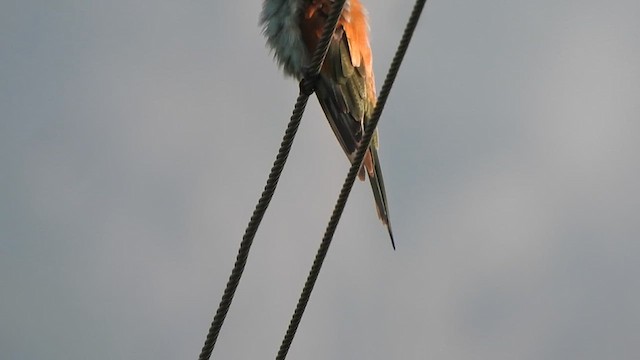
(345,88)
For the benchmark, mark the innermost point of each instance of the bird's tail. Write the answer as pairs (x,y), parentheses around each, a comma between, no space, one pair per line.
(379,194)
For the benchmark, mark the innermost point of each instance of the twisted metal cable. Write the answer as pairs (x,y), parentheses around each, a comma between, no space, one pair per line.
(348,183)
(306,89)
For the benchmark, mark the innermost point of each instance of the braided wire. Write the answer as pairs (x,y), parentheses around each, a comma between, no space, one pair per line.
(348,183)
(307,85)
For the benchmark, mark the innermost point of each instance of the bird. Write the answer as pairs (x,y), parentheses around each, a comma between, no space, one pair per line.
(345,86)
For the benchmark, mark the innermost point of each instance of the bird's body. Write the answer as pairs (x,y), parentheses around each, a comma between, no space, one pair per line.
(346,87)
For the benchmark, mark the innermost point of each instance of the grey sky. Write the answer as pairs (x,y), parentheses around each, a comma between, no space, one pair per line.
(136,136)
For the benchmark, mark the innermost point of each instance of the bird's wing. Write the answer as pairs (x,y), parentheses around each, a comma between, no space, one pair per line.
(345,89)
(342,94)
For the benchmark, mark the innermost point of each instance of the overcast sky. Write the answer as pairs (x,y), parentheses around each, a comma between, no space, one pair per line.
(136,137)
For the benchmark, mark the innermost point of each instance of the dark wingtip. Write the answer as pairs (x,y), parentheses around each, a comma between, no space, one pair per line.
(393,243)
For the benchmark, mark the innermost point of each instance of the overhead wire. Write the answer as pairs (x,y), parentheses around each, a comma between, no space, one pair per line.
(307,85)
(348,183)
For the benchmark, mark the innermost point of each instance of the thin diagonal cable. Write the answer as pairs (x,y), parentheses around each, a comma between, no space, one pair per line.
(306,89)
(348,183)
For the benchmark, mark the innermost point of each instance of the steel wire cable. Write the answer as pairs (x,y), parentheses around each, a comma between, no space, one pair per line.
(348,183)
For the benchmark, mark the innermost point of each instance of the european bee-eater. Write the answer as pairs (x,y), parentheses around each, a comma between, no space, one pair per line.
(345,88)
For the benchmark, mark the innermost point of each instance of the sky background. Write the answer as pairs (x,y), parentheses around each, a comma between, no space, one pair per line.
(136,137)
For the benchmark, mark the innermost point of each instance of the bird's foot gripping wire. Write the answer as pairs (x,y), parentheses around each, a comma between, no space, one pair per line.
(308,82)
